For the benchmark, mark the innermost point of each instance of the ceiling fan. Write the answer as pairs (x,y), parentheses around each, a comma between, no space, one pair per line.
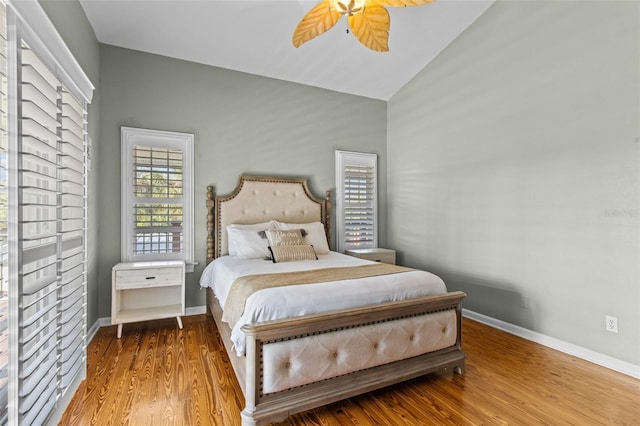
(368,20)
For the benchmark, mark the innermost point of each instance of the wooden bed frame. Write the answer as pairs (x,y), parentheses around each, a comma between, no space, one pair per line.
(257,199)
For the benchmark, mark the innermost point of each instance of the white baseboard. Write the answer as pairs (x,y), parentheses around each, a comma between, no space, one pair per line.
(197,310)
(569,348)
(103,322)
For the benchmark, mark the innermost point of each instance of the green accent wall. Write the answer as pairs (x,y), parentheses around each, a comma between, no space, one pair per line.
(513,169)
(243,124)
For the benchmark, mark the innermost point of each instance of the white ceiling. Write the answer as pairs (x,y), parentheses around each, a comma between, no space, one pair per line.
(255,37)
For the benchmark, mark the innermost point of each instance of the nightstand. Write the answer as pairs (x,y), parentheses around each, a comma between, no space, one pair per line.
(144,291)
(376,254)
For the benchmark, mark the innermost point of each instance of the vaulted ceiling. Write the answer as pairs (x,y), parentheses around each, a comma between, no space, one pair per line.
(255,37)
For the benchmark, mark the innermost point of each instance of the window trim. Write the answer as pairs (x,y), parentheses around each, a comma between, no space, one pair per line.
(131,136)
(43,37)
(343,159)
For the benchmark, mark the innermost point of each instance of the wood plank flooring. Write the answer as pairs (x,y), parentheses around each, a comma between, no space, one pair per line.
(157,374)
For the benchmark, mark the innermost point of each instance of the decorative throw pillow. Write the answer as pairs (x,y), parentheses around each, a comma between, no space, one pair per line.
(289,237)
(315,234)
(292,253)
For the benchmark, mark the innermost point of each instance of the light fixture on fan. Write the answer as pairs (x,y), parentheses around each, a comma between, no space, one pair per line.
(368,20)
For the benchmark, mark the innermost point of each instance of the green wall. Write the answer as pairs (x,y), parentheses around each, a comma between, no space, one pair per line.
(513,169)
(242,124)
(69,19)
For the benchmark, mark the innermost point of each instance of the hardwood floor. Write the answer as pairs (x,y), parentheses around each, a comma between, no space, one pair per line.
(157,374)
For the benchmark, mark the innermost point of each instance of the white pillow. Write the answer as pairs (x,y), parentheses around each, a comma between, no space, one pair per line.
(245,241)
(315,234)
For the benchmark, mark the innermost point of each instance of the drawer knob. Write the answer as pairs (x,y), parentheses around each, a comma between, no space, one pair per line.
(150,278)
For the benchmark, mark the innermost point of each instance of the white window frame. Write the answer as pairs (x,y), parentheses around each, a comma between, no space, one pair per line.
(344,159)
(130,137)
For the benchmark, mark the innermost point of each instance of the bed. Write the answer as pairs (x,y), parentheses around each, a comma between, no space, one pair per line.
(320,354)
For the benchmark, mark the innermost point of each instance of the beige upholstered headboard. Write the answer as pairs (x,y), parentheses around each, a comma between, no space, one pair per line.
(260,199)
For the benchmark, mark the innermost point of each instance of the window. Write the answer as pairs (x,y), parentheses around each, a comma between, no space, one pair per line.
(356,200)
(43,217)
(157,195)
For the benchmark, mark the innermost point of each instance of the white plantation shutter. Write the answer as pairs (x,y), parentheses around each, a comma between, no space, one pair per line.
(4,207)
(356,200)
(157,207)
(52,234)
(359,207)
(46,170)
(39,184)
(157,201)
(72,228)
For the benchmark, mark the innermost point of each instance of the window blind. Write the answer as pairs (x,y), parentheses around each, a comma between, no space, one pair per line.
(356,200)
(4,260)
(44,161)
(52,232)
(43,210)
(158,203)
(359,208)
(37,230)
(72,229)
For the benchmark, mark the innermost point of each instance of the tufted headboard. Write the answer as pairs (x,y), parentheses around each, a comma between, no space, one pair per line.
(260,199)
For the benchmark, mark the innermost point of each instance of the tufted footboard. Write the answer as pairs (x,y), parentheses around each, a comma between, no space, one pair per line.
(290,363)
(298,364)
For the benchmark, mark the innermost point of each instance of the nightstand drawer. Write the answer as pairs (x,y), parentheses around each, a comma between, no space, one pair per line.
(142,278)
(376,254)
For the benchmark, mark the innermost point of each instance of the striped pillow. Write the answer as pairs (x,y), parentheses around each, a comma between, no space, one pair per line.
(292,253)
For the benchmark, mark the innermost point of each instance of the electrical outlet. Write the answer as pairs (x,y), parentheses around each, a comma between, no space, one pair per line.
(611,323)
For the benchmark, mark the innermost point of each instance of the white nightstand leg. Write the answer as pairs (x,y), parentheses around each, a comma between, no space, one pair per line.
(179,322)
(119,330)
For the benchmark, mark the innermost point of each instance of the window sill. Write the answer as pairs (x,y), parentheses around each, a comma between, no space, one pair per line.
(190,266)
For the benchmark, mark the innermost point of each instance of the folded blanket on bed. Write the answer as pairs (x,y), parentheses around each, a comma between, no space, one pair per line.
(245,286)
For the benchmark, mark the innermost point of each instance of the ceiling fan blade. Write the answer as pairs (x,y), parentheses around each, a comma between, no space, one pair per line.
(317,21)
(371,28)
(399,3)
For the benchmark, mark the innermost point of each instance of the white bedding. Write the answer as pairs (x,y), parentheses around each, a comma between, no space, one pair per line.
(290,301)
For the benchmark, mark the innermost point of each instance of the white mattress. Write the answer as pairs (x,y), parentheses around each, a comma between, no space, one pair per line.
(291,301)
